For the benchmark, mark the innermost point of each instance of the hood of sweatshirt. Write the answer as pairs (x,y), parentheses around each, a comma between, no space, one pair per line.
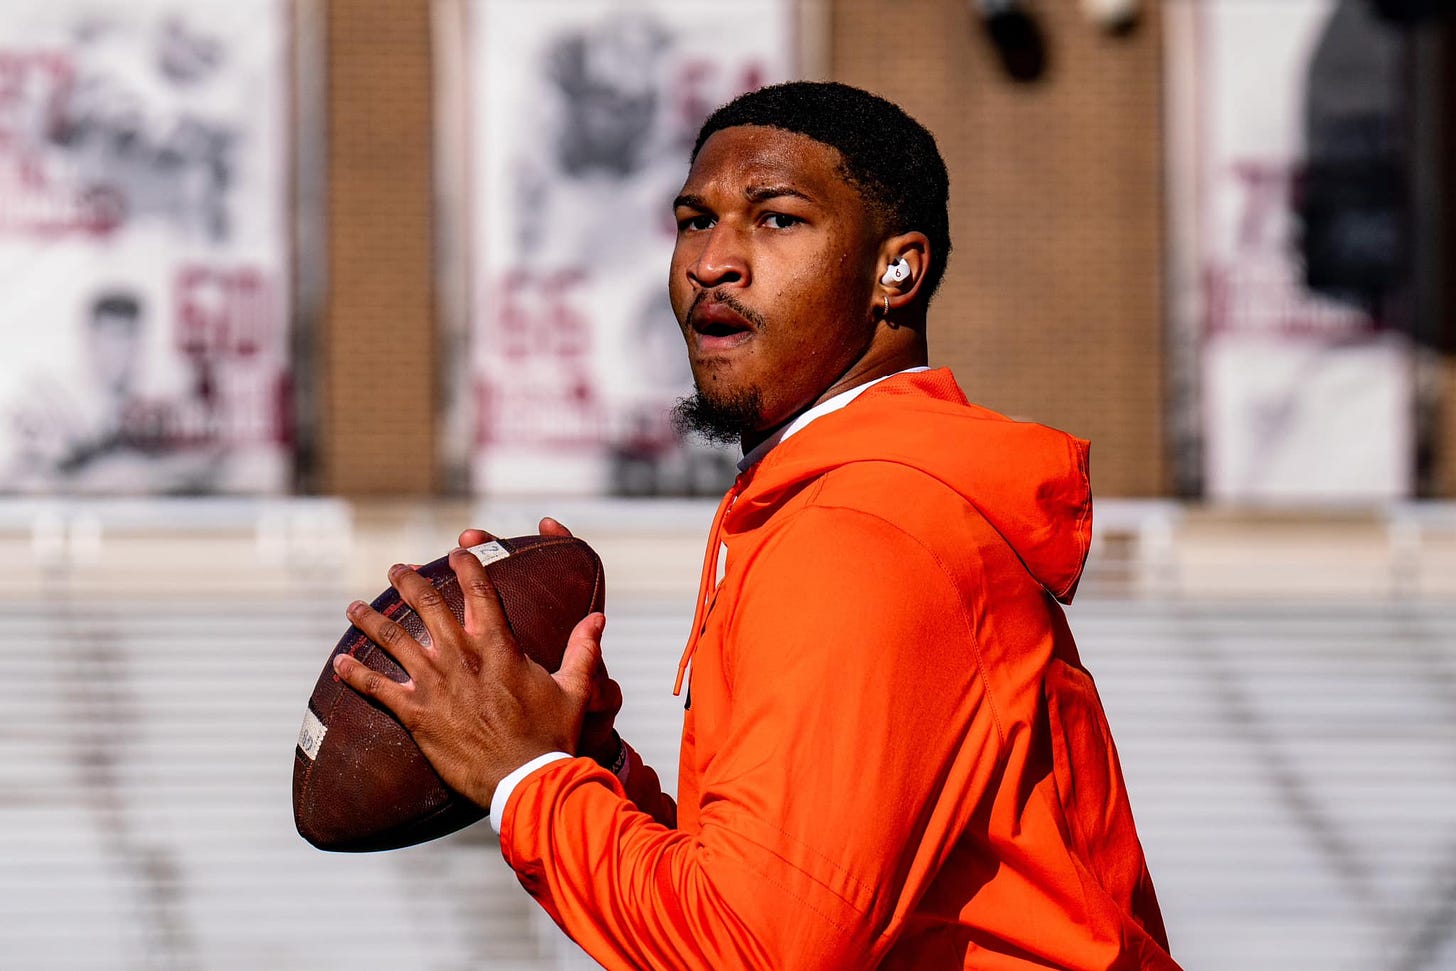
(1030,482)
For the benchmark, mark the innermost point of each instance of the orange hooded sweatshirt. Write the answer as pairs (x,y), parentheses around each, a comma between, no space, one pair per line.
(892,756)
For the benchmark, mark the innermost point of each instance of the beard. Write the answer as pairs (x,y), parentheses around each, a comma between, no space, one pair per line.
(720,420)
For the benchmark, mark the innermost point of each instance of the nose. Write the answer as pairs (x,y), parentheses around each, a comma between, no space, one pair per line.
(720,260)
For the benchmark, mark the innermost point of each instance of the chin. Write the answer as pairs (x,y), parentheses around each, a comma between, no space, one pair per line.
(714,379)
(719,413)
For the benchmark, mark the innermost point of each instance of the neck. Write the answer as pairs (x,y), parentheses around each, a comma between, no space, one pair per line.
(885,357)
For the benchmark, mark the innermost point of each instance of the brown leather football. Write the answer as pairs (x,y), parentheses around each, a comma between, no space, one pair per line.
(359,780)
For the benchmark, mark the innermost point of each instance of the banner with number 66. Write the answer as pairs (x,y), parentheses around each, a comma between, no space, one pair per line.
(583,115)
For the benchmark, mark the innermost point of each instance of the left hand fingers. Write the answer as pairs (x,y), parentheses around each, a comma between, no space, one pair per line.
(390,636)
(484,615)
(426,601)
(397,697)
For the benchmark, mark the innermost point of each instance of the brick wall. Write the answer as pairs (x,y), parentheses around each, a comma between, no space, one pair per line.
(379,354)
(1443,482)
(1052,306)
(1443,445)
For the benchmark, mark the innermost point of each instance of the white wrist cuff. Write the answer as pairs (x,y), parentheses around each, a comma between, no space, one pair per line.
(509,783)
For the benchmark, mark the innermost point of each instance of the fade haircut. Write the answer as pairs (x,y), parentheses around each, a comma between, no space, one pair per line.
(887,155)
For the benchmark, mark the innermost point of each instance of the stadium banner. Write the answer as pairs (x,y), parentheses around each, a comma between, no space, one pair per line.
(1307,391)
(582,116)
(144,247)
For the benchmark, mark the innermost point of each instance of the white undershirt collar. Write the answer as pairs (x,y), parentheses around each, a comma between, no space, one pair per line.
(818,411)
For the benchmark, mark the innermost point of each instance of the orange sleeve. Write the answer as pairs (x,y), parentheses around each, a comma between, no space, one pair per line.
(855,745)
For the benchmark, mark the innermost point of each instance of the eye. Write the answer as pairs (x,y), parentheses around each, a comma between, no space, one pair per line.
(698,223)
(779,220)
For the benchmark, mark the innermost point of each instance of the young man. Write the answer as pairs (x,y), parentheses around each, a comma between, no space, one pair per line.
(891,755)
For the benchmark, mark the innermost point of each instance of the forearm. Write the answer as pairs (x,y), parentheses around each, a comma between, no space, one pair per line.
(636,894)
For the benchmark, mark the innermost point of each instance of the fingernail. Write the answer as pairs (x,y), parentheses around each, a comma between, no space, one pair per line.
(341,661)
(397,569)
(355,607)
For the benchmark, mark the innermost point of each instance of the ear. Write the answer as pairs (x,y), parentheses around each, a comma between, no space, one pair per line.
(913,249)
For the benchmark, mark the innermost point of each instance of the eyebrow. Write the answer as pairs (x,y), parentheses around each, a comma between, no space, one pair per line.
(762,193)
(754,193)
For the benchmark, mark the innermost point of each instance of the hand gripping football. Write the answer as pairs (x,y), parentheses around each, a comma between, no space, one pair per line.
(359,780)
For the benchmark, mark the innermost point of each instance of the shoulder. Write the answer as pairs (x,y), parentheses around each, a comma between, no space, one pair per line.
(853,538)
(907,499)
(845,583)
(930,521)
(841,535)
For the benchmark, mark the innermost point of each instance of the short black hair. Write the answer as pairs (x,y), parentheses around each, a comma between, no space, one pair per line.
(888,156)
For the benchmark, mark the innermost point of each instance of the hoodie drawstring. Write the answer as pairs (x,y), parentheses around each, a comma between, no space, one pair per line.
(706,586)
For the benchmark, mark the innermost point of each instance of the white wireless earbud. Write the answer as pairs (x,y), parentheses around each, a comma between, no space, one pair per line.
(897,272)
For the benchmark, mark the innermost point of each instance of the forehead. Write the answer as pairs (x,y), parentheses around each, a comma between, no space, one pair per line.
(752,155)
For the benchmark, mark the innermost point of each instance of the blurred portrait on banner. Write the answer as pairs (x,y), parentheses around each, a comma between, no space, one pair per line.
(583,116)
(144,247)
(1308,380)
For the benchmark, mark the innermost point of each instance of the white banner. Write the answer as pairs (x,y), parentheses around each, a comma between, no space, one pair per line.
(144,247)
(583,115)
(1306,396)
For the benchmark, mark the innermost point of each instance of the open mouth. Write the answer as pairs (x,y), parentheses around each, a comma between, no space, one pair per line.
(718,326)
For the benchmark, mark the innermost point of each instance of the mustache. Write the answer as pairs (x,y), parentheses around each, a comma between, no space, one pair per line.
(728,300)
